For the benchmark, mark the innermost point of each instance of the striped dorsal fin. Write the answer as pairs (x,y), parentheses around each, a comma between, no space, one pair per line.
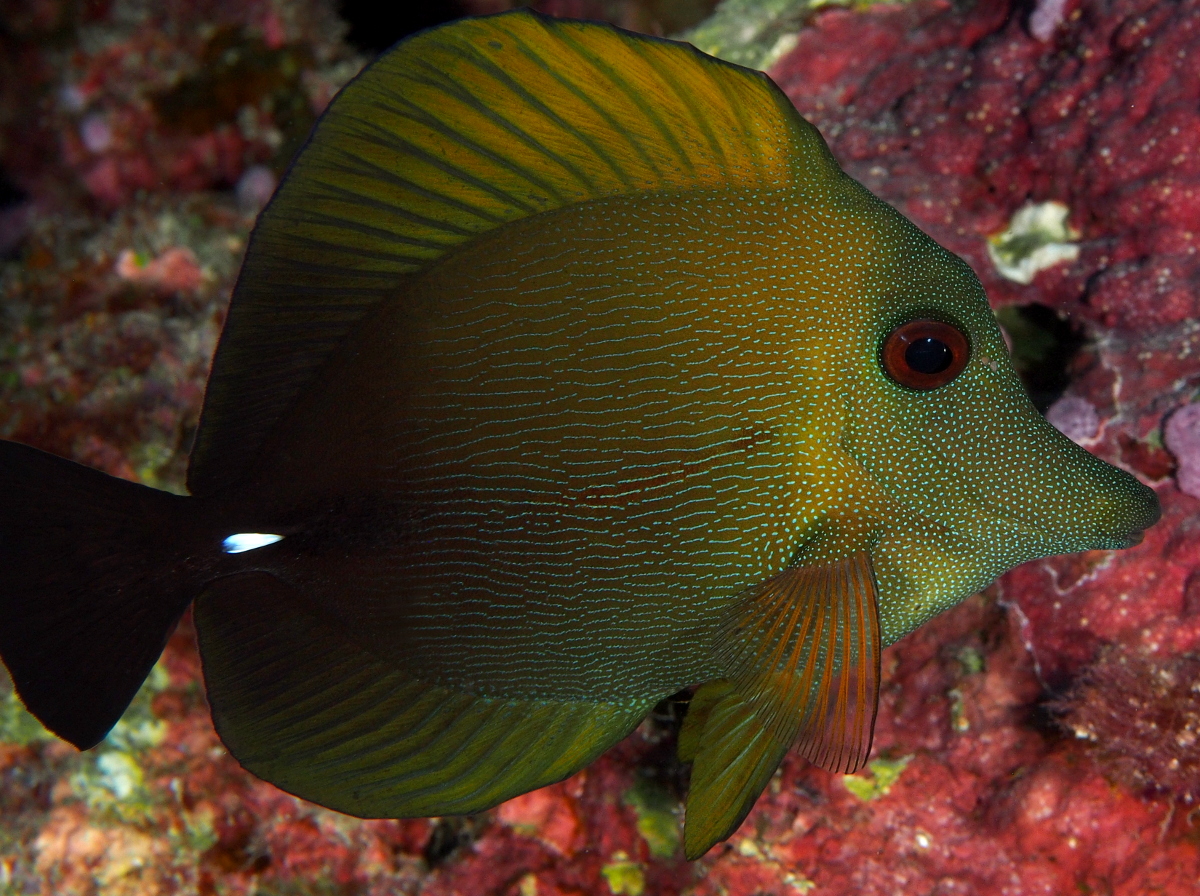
(455,132)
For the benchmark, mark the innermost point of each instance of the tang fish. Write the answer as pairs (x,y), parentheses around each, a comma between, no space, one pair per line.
(565,370)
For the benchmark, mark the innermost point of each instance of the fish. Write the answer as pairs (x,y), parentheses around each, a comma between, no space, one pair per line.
(566,370)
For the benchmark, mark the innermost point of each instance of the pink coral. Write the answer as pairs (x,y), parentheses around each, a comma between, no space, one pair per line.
(175,270)
(1074,417)
(1046,18)
(548,814)
(254,188)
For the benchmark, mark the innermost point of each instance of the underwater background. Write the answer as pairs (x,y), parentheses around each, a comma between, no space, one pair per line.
(1042,738)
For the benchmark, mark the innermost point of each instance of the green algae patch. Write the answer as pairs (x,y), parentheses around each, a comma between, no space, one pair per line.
(753,33)
(624,878)
(884,774)
(757,33)
(17,726)
(112,778)
(657,820)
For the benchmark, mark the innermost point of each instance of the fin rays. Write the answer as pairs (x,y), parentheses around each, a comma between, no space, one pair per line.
(489,69)
(432,197)
(464,175)
(807,657)
(597,147)
(737,759)
(634,97)
(300,703)
(801,652)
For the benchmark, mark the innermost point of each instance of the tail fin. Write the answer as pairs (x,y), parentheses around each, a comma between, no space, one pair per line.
(92,582)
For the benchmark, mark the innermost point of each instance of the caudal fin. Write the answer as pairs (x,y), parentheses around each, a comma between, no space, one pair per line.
(92,582)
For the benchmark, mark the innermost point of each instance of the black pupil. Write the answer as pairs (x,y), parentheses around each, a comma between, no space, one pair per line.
(928,355)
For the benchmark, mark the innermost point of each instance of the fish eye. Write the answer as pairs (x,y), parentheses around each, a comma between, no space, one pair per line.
(924,354)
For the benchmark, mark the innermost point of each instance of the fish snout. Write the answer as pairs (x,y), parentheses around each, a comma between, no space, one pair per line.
(1147,513)
(1123,511)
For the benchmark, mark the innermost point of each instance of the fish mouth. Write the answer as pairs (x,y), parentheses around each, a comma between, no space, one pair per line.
(1134,538)
(1037,538)
(1137,535)
(1113,525)
(1035,541)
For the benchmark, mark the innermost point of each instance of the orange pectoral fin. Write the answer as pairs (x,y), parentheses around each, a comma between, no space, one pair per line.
(803,649)
(802,656)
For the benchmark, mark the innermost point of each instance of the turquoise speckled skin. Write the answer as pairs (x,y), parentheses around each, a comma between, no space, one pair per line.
(618,442)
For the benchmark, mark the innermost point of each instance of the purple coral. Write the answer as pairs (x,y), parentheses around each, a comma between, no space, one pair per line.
(1047,15)
(254,188)
(1074,417)
(1182,438)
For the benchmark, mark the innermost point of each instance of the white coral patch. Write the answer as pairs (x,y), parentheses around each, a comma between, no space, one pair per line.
(1038,237)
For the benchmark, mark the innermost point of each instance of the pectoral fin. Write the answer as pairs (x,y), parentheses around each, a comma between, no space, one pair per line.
(803,649)
(801,652)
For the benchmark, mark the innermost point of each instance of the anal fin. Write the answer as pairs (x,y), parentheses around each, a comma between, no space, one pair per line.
(801,654)
(300,703)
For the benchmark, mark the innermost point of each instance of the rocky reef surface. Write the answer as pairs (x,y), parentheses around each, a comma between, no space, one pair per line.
(1043,738)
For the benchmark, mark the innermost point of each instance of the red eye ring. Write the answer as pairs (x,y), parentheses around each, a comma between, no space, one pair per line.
(924,354)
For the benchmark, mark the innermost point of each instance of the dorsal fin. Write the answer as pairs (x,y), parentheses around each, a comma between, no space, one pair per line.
(456,132)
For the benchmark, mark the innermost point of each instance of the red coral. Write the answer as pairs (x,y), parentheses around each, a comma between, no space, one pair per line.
(958,116)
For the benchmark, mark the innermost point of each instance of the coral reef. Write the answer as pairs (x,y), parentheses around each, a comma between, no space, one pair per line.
(1143,714)
(1075,418)
(137,141)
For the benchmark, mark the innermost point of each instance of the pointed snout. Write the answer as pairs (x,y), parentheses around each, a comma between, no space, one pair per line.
(1133,509)
(1103,507)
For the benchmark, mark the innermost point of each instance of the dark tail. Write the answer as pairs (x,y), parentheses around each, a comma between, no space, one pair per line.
(94,573)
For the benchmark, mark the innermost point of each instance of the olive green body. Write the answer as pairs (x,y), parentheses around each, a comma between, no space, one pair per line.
(564,448)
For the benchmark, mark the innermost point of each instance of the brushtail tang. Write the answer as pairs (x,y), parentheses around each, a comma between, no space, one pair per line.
(565,370)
